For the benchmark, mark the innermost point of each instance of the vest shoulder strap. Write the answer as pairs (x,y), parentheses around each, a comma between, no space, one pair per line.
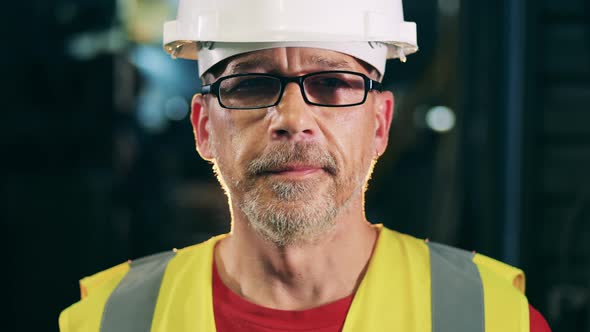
(510,274)
(130,308)
(472,292)
(506,306)
(121,298)
(96,282)
(457,297)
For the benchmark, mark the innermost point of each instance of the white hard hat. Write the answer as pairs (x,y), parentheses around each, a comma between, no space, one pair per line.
(213,30)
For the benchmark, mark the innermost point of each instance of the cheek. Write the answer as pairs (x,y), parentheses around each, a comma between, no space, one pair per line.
(236,140)
(353,132)
(222,133)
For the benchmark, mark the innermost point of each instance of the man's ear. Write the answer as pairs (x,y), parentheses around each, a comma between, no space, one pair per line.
(200,122)
(384,115)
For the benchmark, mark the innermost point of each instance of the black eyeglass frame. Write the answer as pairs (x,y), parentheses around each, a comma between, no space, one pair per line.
(370,84)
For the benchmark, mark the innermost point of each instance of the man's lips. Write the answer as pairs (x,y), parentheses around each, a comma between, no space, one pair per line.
(294,170)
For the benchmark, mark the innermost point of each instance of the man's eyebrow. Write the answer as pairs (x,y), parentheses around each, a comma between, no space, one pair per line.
(329,62)
(266,62)
(249,64)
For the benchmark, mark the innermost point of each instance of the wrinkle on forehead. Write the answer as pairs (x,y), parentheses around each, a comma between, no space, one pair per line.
(329,62)
(289,59)
(251,63)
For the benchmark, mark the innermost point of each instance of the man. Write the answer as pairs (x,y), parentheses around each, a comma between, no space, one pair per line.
(293,129)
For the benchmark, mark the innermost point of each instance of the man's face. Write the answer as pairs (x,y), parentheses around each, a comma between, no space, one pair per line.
(292,169)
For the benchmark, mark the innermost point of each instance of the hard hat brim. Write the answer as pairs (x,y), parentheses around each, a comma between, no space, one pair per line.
(209,54)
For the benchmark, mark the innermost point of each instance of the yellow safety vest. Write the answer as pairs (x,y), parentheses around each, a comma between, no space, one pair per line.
(399,292)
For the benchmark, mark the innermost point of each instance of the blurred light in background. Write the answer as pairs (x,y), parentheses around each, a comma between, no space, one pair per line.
(176,108)
(143,19)
(150,112)
(440,119)
(168,85)
(87,45)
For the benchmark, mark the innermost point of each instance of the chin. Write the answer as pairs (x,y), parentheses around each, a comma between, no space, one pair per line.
(299,218)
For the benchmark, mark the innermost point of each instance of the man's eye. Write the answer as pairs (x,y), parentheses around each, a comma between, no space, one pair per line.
(330,82)
(251,84)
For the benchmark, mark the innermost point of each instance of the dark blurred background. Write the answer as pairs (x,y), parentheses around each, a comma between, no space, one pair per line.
(490,145)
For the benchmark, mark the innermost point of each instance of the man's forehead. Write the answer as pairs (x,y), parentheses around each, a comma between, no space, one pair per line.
(291,58)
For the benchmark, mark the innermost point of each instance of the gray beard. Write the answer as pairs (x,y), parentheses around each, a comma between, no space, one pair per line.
(295,216)
(289,213)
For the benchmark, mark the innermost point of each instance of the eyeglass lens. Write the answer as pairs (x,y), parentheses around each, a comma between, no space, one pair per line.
(332,89)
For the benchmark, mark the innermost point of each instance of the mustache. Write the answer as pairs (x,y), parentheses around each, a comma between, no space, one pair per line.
(283,154)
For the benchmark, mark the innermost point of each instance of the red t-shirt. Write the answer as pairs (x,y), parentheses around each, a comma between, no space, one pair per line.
(233,313)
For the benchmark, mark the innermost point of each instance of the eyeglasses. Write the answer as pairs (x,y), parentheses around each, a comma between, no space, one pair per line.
(324,88)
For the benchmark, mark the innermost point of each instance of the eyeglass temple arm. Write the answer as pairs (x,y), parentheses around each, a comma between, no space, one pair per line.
(375,85)
(206,89)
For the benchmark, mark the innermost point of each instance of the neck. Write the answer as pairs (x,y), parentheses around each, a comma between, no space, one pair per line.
(299,276)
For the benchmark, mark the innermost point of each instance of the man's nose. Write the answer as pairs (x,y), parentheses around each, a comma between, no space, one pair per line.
(294,118)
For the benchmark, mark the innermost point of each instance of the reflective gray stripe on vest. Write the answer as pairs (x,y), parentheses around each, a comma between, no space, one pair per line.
(130,308)
(457,291)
